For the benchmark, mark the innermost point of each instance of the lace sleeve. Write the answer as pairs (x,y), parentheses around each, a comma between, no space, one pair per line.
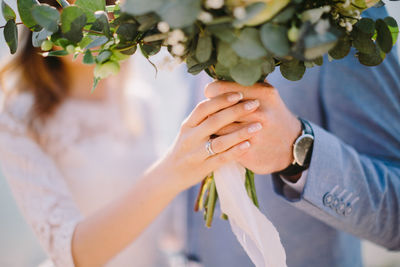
(39,190)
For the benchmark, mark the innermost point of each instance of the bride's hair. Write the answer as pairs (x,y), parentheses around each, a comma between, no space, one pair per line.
(44,77)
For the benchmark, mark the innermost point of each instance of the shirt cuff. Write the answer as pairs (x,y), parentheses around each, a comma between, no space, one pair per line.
(291,189)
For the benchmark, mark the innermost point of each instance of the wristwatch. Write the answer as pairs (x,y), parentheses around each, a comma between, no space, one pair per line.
(302,151)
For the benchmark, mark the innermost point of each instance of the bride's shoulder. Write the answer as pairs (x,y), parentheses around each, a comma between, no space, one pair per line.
(15,109)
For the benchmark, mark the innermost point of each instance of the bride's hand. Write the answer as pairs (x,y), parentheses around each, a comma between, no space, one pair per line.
(188,161)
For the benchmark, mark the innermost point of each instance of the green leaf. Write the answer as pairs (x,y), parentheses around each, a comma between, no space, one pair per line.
(249,45)
(285,16)
(24,10)
(11,35)
(127,32)
(73,19)
(226,56)
(362,41)
(366,25)
(57,53)
(275,39)
(8,12)
(204,48)
(90,7)
(149,50)
(222,72)
(101,23)
(293,70)
(103,56)
(268,66)
(39,37)
(372,59)
(140,7)
(88,58)
(393,27)
(245,74)
(46,16)
(384,37)
(317,45)
(223,32)
(342,47)
(180,13)
(98,41)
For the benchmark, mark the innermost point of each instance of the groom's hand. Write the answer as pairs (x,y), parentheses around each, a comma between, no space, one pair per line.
(271,149)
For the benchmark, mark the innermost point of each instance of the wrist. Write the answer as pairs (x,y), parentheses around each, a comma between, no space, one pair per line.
(301,152)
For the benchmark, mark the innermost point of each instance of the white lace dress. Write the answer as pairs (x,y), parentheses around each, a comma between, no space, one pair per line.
(88,153)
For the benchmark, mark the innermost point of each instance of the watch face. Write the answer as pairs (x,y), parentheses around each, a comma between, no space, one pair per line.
(301,148)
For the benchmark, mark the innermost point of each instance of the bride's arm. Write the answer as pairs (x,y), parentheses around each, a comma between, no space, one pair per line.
(101,236)
(46,203)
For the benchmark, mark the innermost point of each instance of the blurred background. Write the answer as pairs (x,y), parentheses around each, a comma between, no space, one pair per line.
(18,245)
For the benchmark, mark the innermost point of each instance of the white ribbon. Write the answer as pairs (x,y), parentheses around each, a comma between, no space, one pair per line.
(255,232)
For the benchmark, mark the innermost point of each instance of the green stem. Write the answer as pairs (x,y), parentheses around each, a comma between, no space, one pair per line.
(63,3)
(252,184)
(212,200)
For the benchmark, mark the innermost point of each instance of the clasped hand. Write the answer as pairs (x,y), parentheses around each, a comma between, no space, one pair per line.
(253,127)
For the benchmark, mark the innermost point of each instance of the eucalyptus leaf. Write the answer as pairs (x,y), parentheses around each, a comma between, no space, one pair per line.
(393,27)
(57,53)
(98,41)
(223,32)
(248,45)
(149,50)
(24,10)
(275,39)
(317,45)
(362,42)
(8,12)
(293,70)
(245,74)
(39,37)
(11,35)
(127,32)
(204,48)
(371,59)
(88,58)
(342,47)
(226,56)
(384,37)
(73,19)
(222,72)
(103,56)
(46,16)
(180,13)
(366,25)
(101,23)
(140,7)
(90,7)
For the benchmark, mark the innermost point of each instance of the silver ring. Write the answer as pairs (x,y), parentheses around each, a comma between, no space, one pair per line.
(209,148)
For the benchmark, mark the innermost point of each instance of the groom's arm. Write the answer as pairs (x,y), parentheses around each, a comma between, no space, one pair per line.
(351,191)
(345,186)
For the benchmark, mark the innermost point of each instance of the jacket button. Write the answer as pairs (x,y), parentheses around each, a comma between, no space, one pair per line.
(340,209)
(327,200)
(348,210)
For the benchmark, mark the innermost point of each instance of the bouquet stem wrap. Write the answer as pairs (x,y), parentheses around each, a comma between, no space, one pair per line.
(255,232)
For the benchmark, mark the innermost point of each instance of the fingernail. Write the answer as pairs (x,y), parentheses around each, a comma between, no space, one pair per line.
(252,105)
(244,145)
(255,127)
(235,97)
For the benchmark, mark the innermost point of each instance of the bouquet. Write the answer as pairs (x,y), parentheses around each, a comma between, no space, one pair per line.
(234,40)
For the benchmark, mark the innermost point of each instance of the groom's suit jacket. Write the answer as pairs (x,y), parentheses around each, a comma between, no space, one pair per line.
(352,188)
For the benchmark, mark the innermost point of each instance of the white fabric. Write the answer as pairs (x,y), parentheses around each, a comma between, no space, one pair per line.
(255,232)
(87,154)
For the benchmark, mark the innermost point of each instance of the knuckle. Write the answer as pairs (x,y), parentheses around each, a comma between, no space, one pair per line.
(217,144)
(214,120)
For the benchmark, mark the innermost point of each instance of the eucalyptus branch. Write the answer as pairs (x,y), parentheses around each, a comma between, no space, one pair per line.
(63,3)
(17,23)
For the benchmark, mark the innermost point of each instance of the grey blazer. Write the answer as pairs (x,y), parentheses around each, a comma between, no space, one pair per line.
(352,190)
